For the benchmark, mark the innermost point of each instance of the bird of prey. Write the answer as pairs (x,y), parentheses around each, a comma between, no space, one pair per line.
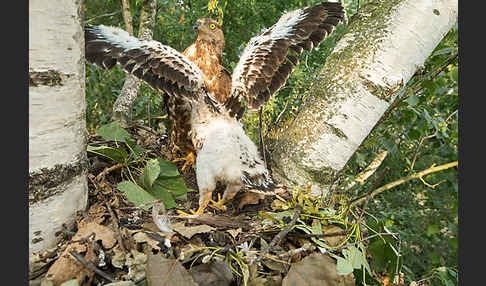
(206,102)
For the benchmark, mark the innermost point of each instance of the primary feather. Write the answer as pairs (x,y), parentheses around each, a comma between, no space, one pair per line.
(205,102)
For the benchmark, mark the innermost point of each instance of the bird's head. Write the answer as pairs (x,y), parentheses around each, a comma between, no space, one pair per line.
(209,30)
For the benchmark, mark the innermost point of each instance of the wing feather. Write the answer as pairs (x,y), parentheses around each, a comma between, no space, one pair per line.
(269,58)
(161,66)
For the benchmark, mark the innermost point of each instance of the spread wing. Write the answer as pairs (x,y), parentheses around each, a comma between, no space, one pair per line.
(161,66)
(270,57)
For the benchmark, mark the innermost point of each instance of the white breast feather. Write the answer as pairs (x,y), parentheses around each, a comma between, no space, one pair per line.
(226,154)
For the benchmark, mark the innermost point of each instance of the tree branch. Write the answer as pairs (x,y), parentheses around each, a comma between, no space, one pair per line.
(418,175)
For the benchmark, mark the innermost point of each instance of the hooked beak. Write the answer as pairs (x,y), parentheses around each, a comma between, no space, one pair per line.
(196,25)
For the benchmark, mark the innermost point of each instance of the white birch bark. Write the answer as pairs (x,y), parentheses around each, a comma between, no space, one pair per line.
(122,108)
(57,120)
(382,47)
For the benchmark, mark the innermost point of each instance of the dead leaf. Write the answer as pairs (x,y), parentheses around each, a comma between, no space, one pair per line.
(234,232)
(103,233)
(66,267)
(118,258)
(316,269)
(250,198)
(189,231)
(121,283)
(333,240)
(73,282)
(136,262)
(141,237)
(217,273)
(278,267)
(164,272)
(253,279)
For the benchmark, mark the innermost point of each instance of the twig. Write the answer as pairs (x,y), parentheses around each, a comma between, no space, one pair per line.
(145,128)
(338,233)
(117,230)
(148,111)
(449,117)
(368,196)
(368,238)
(371,168)
(281,112)
(419,145)
(292,252)
(104,15)
(284,232)
(430,170)
(90,266)
(108,170)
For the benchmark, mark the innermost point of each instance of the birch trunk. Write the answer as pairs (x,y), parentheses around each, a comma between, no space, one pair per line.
(384,44)
(122,108)
(57,120)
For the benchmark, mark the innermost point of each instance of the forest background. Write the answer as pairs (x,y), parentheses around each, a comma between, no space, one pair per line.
(420,129)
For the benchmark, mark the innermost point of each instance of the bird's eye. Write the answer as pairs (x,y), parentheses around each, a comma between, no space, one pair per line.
(212,26)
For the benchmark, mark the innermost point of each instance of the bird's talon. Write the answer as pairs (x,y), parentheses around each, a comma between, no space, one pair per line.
(189,160)
(219,205)
(199,211)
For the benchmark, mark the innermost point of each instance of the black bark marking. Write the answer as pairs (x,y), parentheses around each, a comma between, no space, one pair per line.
(48,78)
(44,182)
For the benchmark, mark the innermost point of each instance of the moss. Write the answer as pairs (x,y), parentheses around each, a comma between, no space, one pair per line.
(324,176)
(339,79)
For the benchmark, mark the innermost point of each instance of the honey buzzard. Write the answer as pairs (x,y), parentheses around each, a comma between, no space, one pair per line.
(206,101)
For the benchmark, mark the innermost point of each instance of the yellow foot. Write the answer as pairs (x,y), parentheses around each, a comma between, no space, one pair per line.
(189,160)
(219,204)
(199,211)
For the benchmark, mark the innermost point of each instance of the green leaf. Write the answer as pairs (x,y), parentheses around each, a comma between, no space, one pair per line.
(432,229)
(136,194)
(412,100)
(175,185)
(447,50)
(414,134)
(162,193)
(427,116)
(136,150)
(150,173)
(116,154)
(454,74)
(113,132)
(344,267)
(167,168)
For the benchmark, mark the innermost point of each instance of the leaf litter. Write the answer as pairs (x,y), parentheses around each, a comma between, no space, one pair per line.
(140,238)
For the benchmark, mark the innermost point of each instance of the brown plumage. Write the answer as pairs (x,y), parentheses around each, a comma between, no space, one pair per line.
(206,52)
(205,102)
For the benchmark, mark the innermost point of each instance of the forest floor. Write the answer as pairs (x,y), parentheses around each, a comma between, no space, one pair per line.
(258,240)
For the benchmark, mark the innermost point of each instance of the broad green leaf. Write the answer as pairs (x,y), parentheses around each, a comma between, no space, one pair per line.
(427,116)
(113,132)
(116,154)
(136,194)
(167,168)
(162,193)
(412,100)
(414,134)
(151,172)
(344,267)
(432,229)
(136,150)
(447,50)
(175,185)
(454,74)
